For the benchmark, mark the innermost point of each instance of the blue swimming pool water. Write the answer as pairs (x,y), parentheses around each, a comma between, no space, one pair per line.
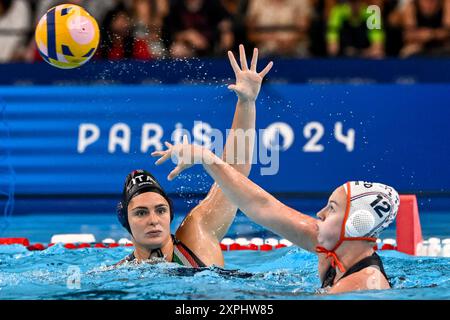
(288,273)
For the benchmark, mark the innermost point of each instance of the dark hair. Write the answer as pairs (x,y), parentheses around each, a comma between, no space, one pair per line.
(5,4)
(107,34)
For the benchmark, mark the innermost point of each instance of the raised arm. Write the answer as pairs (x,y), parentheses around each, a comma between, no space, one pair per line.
(256,203)
(211,218)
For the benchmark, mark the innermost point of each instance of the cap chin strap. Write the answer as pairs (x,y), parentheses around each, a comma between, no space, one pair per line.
(331,254)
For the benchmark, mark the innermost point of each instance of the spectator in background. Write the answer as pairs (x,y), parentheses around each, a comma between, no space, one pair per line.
(279,27)
(117,40)
(426,28)
(320,10)
(237,9)
(196,28)
(97,8)
(15,19)
(232,6)
(348,34)
(148,18)
(392,27)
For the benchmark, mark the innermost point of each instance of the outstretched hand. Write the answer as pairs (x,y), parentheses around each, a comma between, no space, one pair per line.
(248,81)
(185,155)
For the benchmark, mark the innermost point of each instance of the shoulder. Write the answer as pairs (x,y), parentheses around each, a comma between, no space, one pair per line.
(370,278)
(205,247)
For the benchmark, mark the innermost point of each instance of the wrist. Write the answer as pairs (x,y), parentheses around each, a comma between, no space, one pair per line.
(246,102)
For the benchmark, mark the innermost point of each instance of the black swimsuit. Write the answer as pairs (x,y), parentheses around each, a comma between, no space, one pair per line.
(370,261)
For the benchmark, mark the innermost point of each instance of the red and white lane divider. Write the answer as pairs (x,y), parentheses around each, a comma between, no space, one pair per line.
(433,247)
(228,244)
(70,241)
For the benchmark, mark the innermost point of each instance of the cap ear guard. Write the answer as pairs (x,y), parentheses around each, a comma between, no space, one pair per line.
(122,216)
(170,208)
(359,224)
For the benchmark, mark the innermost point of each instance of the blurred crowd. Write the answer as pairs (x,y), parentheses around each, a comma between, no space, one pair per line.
(151,29)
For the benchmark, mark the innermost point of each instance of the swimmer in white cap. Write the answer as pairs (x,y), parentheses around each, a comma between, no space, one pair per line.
(146,210)
(344,235)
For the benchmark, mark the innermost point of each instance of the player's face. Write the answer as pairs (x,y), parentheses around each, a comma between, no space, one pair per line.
(331,219)
(149,219)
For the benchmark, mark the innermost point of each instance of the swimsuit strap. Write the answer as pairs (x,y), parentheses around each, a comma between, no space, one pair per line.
(184,256)
(371,261)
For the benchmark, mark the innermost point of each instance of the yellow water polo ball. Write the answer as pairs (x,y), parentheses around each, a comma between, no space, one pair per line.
(67,36)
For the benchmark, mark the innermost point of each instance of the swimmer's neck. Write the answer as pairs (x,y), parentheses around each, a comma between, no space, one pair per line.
(351,252)
(143,253)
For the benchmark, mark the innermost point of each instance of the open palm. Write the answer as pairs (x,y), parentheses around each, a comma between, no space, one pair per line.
(248,81)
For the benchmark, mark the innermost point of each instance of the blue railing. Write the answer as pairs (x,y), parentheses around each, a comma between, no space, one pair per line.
(219,71)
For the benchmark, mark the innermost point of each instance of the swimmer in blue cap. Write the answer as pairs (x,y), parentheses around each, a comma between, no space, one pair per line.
(146,210)
(343,236)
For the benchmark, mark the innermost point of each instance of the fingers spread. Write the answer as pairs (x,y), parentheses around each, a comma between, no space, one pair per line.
(233,62)
(254,60)
(158,153)
(163,159)
(175,172)
(168,145)
(266,70)
(244,64)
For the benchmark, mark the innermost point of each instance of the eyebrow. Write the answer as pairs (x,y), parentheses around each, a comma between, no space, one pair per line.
(139,208)
(161,205)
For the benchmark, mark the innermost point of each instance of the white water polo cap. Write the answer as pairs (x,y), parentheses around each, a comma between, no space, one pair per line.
(371,208)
